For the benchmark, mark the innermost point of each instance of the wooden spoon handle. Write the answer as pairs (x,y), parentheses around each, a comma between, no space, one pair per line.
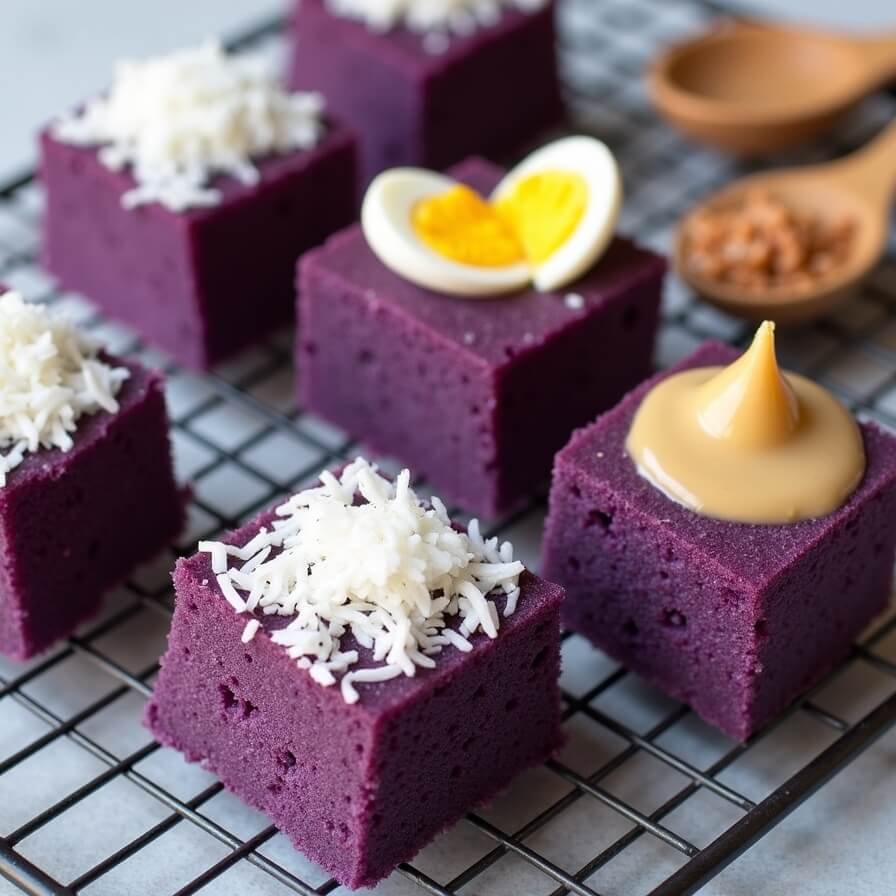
(879,53)
(872,169)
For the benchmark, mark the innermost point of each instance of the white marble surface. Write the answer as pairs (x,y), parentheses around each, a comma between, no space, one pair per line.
(53,52)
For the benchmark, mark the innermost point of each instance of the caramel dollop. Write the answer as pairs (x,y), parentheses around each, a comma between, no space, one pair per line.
(748,442)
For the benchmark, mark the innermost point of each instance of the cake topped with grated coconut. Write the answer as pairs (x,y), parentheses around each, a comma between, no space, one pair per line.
(179,120)
(387,569)
(429,17)
(50,375)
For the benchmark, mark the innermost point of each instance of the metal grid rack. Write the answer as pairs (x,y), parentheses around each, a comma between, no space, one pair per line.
(89,804)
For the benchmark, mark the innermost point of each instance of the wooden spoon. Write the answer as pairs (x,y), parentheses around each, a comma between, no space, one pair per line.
(858,186)
(754,89)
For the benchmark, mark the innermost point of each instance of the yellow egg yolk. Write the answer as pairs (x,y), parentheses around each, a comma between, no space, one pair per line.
(543,210)
(530,223)
(461,226)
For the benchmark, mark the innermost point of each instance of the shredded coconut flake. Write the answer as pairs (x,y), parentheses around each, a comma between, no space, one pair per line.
(436,42)
(574,301)
(435,19)
(179,120)
(50,376)
(390,571)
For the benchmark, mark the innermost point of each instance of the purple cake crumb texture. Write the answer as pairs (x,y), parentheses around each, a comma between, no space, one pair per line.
(74,524)
(735,619)
(476,396)
(207,282)
(358,788)
(488,92)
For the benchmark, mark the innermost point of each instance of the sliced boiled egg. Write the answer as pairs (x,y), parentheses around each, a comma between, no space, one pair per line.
(438,233)
(563,202)
(547,222)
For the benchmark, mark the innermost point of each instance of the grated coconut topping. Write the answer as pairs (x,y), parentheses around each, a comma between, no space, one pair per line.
(391,571)
(50,375)
(181,119)
(433,18)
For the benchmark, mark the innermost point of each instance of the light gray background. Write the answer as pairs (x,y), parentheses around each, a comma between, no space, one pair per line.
(55,52)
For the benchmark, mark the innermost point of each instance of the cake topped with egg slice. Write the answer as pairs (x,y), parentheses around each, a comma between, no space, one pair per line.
(547,222)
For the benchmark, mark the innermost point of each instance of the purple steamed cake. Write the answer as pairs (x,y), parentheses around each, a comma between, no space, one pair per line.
(735,619)
(488,92)
(204,283)
(358,788)
(476,395)
(74,524)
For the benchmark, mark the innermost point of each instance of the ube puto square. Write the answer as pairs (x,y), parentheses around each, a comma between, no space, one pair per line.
(476,394)
(432,85)
(87,489)
(736,619)
(362,714)
(185,219)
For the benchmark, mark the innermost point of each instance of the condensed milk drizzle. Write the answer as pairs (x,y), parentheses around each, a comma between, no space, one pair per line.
(748,442)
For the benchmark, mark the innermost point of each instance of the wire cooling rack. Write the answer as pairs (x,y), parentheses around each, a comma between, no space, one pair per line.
(644,799)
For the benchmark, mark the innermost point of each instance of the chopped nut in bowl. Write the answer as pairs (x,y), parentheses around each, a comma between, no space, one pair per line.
(761,244)
(787,245)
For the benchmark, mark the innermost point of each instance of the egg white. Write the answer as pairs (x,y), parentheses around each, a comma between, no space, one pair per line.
(386,219)
(594,162)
